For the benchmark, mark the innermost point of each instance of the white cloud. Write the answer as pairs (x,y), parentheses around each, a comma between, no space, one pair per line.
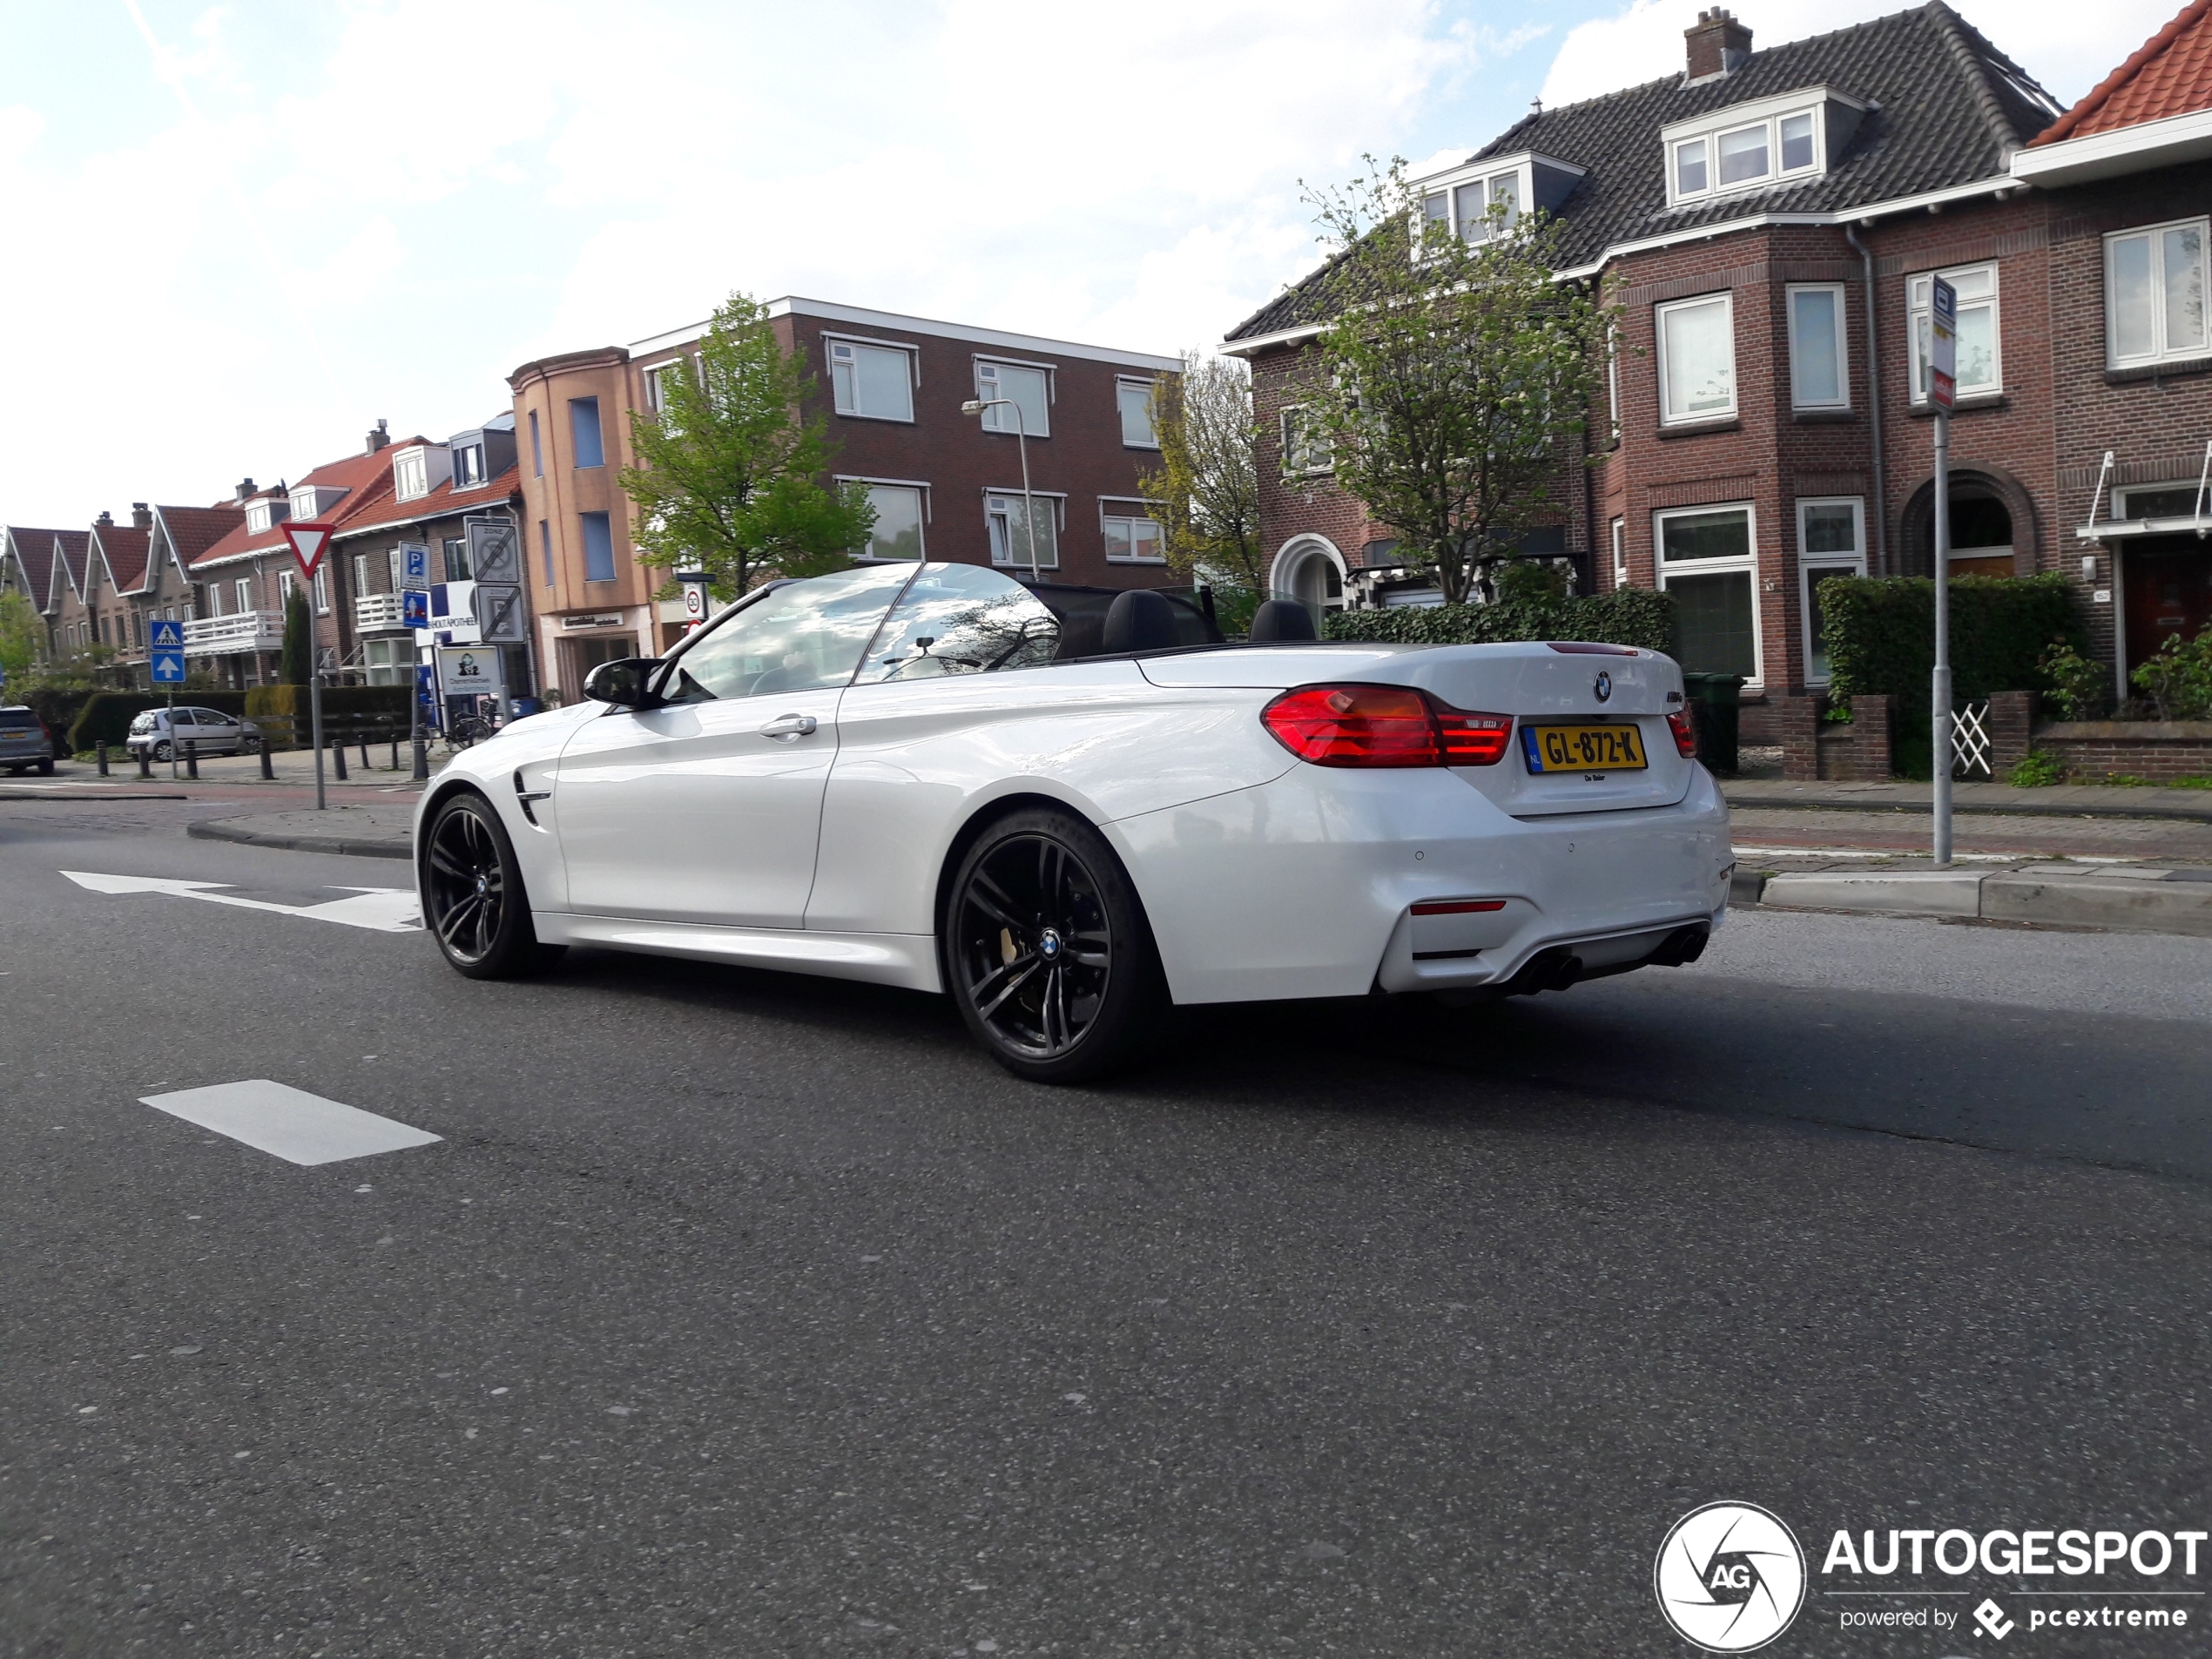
(2069,48)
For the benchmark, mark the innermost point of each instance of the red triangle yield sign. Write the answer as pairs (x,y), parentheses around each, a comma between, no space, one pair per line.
(309,542)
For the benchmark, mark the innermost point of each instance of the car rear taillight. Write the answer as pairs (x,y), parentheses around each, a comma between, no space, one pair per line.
(1383,725)
(1685,734)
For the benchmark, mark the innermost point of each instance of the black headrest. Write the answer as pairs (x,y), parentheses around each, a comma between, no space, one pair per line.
(1282,619)
(1139,621)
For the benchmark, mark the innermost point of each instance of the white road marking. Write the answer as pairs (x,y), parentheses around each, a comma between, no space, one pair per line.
(384,910)
(289,1122)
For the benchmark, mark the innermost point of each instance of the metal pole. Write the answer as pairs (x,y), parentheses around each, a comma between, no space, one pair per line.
(172,734)
(1941,688)
(315,708)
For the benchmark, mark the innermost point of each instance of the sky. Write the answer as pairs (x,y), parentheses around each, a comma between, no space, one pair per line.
(233,237)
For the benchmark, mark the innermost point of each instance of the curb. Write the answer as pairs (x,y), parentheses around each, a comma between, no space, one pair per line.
(1987,809)
(218,829)
(2124,906)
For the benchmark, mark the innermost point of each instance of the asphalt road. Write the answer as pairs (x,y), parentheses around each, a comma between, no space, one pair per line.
(740,1314)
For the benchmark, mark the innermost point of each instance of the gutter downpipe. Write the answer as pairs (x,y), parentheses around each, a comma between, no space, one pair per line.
(1874,404)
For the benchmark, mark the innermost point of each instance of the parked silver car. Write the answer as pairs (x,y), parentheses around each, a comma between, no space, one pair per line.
(166,731)
(24,742)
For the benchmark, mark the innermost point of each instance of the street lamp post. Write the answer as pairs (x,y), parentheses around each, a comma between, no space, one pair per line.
(976,406)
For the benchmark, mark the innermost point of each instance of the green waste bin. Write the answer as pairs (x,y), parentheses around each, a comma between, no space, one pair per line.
(1718,700)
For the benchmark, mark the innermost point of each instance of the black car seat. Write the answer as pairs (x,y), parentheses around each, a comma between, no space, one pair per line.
(1138,621)
(1282,619)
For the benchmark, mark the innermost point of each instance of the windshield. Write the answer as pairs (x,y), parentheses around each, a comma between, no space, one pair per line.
(801,638)
(961,619)
(17,719)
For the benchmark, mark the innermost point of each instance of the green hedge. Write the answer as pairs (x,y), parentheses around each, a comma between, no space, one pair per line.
(106,716)
(347,710)
(1880,633)
(57,705)
(1623,617)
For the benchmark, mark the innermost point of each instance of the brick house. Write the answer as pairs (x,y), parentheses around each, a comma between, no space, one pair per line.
(1757,218)
(27,557)
(945,485)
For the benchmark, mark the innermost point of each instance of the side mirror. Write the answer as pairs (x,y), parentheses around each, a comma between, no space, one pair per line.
(623,682)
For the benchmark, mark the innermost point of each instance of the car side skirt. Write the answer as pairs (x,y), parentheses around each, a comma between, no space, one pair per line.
(909,960)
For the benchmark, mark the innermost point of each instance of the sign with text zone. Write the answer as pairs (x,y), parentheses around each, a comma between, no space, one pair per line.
(493,553)
(500,616)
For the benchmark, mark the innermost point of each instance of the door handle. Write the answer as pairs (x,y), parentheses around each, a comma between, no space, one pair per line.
(786,728)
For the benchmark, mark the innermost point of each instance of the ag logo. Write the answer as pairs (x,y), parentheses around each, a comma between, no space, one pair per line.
(1729,1577)
(1602,685)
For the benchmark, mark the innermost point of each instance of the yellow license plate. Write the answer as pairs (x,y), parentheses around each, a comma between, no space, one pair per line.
(1582,748)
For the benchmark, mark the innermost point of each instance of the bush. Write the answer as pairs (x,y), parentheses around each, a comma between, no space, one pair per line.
(106,716)
(1623,617)
(1880,634)
(2037,769)
(2178,680)
(2081,687)
(57,704)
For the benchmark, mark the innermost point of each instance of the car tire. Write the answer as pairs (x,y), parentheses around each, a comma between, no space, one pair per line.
(474,902)
(163,750)
(251,746)
(1047,951)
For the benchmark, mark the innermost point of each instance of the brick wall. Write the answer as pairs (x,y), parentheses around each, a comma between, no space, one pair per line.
(2158,751)
(1861,751)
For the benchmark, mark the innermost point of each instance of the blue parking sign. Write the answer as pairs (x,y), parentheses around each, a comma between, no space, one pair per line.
(415,608)
(418,566)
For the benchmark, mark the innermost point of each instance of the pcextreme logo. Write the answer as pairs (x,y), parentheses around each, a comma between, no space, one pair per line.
(1729,1577)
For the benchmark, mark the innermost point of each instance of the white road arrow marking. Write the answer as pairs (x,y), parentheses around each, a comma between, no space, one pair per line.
(384,910)
(289,1122)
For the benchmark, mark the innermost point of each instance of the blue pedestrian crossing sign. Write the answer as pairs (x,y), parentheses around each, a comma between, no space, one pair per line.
(166,650)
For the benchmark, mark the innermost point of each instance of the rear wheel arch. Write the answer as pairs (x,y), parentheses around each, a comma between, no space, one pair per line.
(978,820)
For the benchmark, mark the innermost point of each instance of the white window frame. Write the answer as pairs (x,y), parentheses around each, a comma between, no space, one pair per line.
(1054,500)
(261,517)
(1919,290)
(1659,315)
(1810,563)
(321,588)
(482,464)
(993,421)
(928,510)
(285,584)
(2162,351)
(410,474)
(1619,531)
(1707,132)
(831,342)
(1747,562)
(244,588)
(1150,516)
(649,378)
(1138,383)
(1613,379)
(1797,400)
(1327,463)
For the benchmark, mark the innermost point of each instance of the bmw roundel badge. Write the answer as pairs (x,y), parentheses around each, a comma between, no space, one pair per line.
(1602,685)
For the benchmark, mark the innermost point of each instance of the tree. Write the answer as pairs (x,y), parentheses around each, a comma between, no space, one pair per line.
(297,659)
(21,635)
(726,479)
(1453,375)
(1208,483)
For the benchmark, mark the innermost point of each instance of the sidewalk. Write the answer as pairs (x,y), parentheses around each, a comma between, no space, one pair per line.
(2123,895)
(364,830)
(2061,801)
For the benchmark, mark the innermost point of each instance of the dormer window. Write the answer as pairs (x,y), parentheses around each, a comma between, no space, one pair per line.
(264,514)
(1777,139)
(1460,203)
(468,466)
(410,478)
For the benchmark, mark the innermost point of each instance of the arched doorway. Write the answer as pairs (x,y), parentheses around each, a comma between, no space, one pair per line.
(1993,526)
(1310,570)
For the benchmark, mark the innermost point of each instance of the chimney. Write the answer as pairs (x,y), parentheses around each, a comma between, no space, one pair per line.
(106,518)
(141,516)
(245,491)
(380,437)
(1718,45)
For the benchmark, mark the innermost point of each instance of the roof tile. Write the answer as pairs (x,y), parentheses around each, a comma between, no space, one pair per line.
(2170,74)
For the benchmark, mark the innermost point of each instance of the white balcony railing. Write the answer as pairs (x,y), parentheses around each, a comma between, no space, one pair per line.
(243,631)
(379,612)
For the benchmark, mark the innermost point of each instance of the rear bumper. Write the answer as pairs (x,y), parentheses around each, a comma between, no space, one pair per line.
(1305,887)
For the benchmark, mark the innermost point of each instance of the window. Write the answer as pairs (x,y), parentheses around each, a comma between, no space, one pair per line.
(1697,360)
(1465,208)
(537,450)
(410,475)
(1707,560)
(598,547)
(1689,168)
(395,568)
(1303,449)
(2154,282)
(899,510)
(961,619)
(545,546)
(322,590)
(361,573)
(1831,543)
(138,628)
(1028,387)
(804,638)
(1135,399)
(2160,501)
(1005,516)
(456,550)
(1796,142)
(584,432)
(1743,155)
(245,594)
(214,599)
(1620,552)
(655,390)
(468,466)
(1819,377)
(260,515)
(386,660)
(877,382)
(1133,536)
(1978,364)
(1613,380)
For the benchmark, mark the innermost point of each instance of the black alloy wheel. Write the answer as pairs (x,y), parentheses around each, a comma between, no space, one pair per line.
(473,898)
(1048,952)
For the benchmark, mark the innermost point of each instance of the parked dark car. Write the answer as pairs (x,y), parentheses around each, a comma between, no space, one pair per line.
(24,742)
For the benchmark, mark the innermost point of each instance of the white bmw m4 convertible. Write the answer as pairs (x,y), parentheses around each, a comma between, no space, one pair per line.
(929,775)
